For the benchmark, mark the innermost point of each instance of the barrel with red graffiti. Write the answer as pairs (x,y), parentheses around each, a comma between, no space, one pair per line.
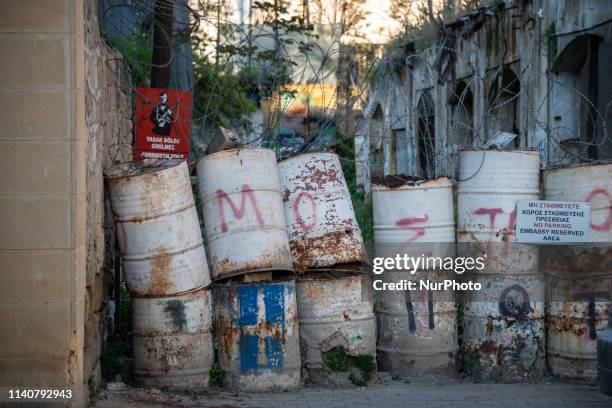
(335,310)
(579,278)
(323,230)
(417,329)
(173,342)
(257,336)
(158,228)
(503,323)
(243,212)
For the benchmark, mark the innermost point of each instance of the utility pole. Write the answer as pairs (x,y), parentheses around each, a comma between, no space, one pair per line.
(162,43)
(305,12)
(250,37)
(218,41)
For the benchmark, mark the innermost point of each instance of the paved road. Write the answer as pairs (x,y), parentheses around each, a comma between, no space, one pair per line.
(391,395)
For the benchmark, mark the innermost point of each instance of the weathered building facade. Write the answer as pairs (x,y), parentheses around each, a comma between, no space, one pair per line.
(536,69)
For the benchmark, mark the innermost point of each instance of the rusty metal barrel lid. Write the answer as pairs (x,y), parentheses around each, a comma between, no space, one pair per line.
(140,168)
(243,212)
(158,228)
(323,229)
(149,188)
(248,316)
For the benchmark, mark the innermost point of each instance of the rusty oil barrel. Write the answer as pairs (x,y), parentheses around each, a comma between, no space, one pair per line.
(417,329)
(243,212)
(503,335)
(335,310)
(173,341)
(578,277)
(158,228)
(257,337)
(604,358)
(323,230)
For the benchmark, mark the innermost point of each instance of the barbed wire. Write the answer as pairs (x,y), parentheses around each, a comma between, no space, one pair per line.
(461,113)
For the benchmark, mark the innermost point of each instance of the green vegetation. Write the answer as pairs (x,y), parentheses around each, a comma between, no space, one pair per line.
(336,359)
(217,374)
(550,41)
(92,387)
(363,207)
(424,23)
(137,52)
(220,96)
(360,368)
(110,362)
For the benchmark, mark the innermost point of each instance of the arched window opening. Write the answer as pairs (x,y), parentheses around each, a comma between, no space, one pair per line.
(462,114)
(504,98)
(426,130)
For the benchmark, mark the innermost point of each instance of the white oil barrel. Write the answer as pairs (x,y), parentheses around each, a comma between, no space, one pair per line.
(417,329)
(578,278)
(335,310)
(173,341)
(158,228)
(503,337)
(323,230)
(243,212)
(257,336)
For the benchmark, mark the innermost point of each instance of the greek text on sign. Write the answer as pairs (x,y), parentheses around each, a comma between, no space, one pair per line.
(550,222)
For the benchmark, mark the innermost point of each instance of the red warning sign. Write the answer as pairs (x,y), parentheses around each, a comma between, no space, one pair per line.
(163,118)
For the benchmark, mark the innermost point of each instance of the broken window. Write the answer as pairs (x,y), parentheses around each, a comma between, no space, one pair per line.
(503,103)
(377,133)
(582,94)
(426,131)
(462,115)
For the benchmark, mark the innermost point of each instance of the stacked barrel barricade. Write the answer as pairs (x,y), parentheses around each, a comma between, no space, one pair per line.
(334,294)
(503,323)
(256,322)
(166,272)
(417,328)
(579,277)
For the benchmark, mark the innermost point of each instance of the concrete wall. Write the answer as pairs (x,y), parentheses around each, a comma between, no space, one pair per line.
(42,194)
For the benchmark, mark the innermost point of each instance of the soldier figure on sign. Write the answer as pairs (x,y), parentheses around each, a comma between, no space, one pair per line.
(161,116)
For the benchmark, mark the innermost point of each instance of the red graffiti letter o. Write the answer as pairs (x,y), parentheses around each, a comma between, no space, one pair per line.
(604,226)
(296,210)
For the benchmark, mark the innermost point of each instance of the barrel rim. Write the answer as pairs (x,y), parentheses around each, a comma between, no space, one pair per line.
(438,182)
(190,292)
(108,174)
(311,154)
(505,150)
(290,280)
(320,275)
(235,150)
(555,168)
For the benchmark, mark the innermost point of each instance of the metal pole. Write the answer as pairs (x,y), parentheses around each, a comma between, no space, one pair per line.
(162,44)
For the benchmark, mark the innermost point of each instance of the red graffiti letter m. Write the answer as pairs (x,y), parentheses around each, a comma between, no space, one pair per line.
(245,192)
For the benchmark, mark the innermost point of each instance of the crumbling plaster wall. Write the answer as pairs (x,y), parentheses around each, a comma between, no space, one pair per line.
(108,126)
